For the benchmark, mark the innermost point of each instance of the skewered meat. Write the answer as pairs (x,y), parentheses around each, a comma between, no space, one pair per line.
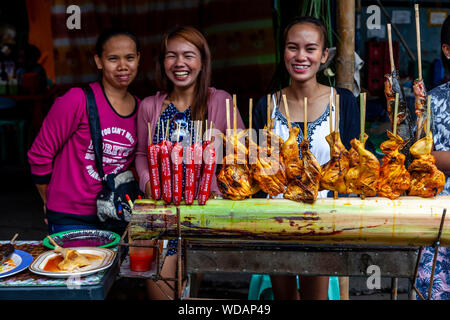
(420,107)
(404,120)
(394,178)
(334,171)
(426,180)
(290,154)
(305,187)
(234,179)
(269,171)
(363,178)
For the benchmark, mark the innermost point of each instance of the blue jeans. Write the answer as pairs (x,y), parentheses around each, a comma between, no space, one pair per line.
(55,228)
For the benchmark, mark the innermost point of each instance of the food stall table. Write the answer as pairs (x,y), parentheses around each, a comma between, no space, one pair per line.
(335,237)
(26,285)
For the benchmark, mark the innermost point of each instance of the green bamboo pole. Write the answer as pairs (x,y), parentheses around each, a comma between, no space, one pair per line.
(374,221)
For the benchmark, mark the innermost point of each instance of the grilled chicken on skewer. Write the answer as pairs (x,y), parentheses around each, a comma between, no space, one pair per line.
(404,119)
(305,187)
(426,180)
(234,179)
(363,178)
(394,178)
(420,96)
(269,170)
(334,171)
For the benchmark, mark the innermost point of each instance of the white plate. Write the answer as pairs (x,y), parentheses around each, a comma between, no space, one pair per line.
(107,259)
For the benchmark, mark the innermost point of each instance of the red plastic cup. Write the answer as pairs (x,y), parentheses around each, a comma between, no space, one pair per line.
(142,258)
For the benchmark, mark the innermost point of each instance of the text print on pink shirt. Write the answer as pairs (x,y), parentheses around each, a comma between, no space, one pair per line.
(115,153)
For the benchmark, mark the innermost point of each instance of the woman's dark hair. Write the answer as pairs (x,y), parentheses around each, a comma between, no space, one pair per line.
(108,34)
(199,108)
(281,76)
(445,39)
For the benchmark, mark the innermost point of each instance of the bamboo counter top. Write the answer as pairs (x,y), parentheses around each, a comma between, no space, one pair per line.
(406,221)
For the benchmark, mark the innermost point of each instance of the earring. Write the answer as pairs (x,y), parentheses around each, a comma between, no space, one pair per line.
(448,57)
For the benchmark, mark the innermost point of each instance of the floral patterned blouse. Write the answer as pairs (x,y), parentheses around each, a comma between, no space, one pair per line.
(440,104)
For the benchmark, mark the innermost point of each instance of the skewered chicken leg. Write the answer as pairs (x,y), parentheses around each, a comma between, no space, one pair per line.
(426,180)
(394,178)
(334,171)
(363,178)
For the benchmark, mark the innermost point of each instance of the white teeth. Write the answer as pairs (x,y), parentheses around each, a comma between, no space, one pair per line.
(301,67)
(181,74)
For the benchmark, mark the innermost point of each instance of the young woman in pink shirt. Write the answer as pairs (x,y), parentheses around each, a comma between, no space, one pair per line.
(184,76)
(62,158)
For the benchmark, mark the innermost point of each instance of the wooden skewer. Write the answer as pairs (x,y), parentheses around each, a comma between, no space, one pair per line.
(336,115)
(167,130)
(331,113)
(428,114)
(149,133)
(419,51)
(250,118)
(234,116)
(163,132)
(14,238)
(362,105)
(336,128)
(305,124)
(286,109)
(363,120)
(228,114)
(269,116)
(53,241)
(210,131)
(391,53)
(394,131)
(157,134)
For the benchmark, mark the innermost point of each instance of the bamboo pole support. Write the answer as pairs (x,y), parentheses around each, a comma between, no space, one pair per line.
(346,47)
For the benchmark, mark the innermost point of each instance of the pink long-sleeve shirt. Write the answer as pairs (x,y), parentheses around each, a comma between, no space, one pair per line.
(62,154)
(150,110)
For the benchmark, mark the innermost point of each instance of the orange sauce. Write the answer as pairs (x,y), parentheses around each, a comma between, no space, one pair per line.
(52,263)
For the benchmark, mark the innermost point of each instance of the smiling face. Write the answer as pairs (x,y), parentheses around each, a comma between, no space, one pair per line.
(303,52)
(182,63)
(119,61)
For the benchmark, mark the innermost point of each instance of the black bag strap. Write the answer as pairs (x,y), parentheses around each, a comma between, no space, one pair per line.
(96,131)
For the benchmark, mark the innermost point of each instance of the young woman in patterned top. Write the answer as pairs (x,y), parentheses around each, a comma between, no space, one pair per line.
(184,75)
(305,50)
